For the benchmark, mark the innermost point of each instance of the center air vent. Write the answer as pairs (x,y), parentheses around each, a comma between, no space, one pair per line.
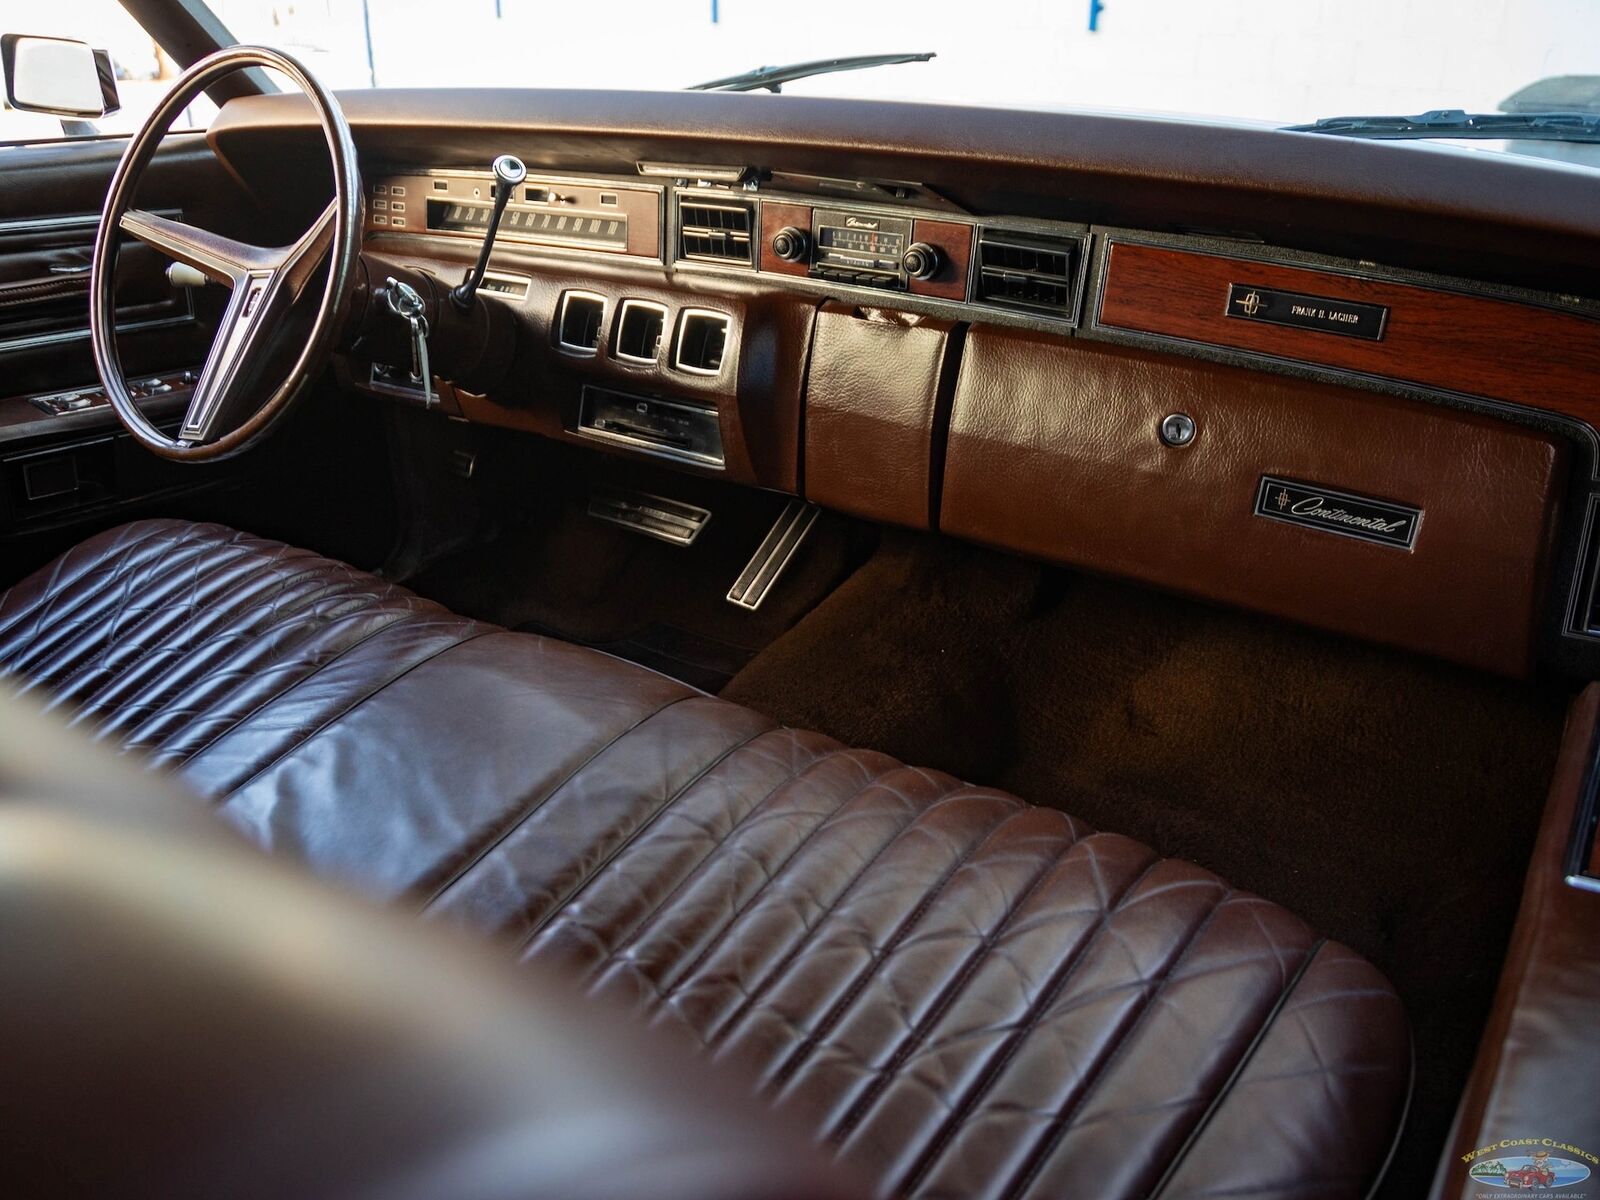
(1027,271)
(702,341)
(715,231)
(579,320)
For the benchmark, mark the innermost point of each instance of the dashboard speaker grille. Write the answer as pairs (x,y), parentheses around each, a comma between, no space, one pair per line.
(716,231)
(1026,271)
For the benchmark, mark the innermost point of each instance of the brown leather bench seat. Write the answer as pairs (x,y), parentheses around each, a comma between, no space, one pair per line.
(960,993)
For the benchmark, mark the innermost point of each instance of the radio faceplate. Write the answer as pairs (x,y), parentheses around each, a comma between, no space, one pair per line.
(861,248)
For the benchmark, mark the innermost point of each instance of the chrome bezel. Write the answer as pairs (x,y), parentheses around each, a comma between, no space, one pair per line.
(684,317)
(567,297)
(627,304)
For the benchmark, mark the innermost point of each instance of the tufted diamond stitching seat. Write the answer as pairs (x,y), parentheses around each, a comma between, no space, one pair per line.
(960,993)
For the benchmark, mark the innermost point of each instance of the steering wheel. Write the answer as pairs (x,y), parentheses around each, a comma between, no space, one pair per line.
(265,282)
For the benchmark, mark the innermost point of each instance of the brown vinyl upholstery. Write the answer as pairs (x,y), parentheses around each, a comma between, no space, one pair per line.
(958,993)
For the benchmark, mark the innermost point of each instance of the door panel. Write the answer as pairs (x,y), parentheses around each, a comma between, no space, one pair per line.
(51,195)
(62,476)
(44,282)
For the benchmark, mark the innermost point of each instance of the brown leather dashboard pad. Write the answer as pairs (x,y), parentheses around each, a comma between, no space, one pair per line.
(1384,519)
(872,400)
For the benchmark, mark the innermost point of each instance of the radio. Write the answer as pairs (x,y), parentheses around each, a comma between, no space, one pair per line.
(861,248)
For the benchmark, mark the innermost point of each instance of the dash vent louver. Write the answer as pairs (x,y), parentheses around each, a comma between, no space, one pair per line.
(716,231)
(1028,272)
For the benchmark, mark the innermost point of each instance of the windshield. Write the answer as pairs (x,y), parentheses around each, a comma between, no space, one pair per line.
(1267,59)
(1262,60)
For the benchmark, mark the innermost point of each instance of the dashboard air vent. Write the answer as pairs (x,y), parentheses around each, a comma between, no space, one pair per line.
(702,341)
(579,321)
(715,231)
(1027,271)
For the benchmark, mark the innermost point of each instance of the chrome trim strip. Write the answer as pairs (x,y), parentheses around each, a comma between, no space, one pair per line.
(28,224)
(609,505)
(1581,595)
(650,448)
(712,174)
(525,282)
(646,446)
(72,335)
(79,220)
(773,555)
(55,337)
(571,250)
(252,294)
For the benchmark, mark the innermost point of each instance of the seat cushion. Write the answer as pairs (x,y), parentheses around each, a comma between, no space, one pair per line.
(961,994)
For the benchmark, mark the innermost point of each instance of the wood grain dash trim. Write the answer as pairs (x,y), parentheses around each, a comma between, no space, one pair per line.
(1476,345)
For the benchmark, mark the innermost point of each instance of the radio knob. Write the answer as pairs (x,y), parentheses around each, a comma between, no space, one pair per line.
(790,244)
(921,261)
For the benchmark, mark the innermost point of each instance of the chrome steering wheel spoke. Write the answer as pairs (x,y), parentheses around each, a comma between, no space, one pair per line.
(265,282)
(239,344)
(220,259)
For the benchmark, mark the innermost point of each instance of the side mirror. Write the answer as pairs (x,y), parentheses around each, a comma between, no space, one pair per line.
(58,76)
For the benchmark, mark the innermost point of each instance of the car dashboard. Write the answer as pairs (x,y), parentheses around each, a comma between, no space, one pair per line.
(1265,395)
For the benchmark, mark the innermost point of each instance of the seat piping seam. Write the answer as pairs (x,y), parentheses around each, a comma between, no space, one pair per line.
(644,826)
(121,576)
(287,646)
(721,935)
(150,559)
(904,1052)
(882,954)
(525,811)
(345,712)
(642,925)
(955,1119)
(54,585)
(1059,1124)
(231,613)
(1238,1071)
(782,966)
(400,618)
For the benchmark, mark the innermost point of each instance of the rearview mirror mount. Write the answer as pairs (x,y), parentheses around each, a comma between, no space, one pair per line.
(58,76)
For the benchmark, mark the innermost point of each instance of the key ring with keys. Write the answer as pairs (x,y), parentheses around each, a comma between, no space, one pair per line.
(406,303)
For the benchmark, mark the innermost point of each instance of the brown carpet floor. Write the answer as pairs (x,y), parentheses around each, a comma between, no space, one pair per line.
(1388,799)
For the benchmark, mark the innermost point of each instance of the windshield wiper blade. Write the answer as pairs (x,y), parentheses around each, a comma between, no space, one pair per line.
(1457,123)
(773,78)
